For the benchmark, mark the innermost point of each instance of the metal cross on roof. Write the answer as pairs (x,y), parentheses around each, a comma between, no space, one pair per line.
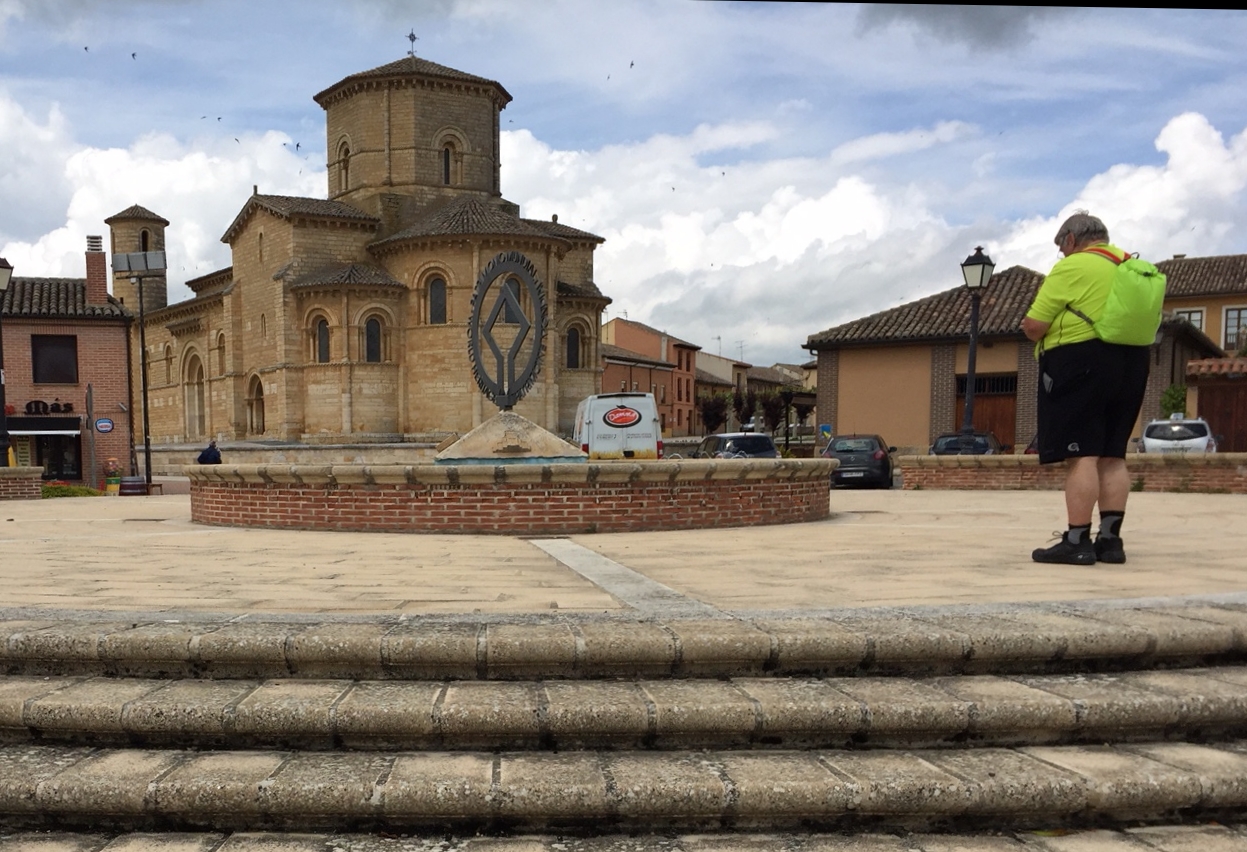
(413,38)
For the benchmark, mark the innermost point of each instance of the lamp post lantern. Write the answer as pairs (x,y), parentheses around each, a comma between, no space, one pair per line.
(139,265)
(977,271)
(6,275)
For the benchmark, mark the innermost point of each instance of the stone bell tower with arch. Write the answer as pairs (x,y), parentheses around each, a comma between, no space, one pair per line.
(132,230)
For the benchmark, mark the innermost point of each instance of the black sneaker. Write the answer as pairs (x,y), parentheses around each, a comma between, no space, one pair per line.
(1110,550)
(1065,553)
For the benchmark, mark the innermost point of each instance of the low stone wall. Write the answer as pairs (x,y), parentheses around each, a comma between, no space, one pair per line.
(21,483)
(1210,473)
(169,459)
(558,499)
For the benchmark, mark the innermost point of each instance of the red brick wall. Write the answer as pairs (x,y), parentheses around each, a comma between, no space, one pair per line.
(101,363)
(21,483)
(548,508)
(1216,473)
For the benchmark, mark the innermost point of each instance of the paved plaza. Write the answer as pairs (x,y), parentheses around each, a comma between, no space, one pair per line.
(891,548)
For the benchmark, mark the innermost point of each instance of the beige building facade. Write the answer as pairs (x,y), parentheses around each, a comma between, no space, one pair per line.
(345,318)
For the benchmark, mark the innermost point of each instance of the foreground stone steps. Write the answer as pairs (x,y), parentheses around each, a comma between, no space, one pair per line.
(775,712)
(1045,787)
(1202,838)
(1037,638)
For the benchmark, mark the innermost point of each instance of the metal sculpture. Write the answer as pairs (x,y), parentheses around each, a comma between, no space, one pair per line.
(498,291)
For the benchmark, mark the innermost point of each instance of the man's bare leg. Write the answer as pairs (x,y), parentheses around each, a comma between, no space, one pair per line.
(1082,488)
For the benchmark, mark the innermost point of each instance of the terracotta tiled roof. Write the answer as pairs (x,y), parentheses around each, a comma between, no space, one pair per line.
(945,315)
(588,290)
(1205,276)
(468,216)
(1230,368)
(54,298)
(621,354)
(677,341)
(407,68)
(567,232)
(704,378)
(296,207)
(134,212)
(346,274)
(769,375)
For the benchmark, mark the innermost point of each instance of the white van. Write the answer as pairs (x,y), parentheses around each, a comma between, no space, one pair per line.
(619,426)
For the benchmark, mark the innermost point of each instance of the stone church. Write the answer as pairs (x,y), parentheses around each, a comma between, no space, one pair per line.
(345,318)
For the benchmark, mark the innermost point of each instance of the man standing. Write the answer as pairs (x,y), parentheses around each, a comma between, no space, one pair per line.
(1090,392)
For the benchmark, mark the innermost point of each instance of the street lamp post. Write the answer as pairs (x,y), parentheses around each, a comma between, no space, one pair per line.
(140,265)
(6,275)
(977,271)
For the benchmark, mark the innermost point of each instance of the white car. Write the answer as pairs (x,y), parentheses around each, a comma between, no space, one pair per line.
(1179,434)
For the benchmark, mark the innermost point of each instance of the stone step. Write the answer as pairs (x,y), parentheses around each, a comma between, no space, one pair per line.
(1035,638)
(775,712)
(1045,787)
(1157,838)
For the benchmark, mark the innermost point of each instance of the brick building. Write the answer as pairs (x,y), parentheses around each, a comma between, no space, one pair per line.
(675,401)
(901,373)
(345,318)
(63,336)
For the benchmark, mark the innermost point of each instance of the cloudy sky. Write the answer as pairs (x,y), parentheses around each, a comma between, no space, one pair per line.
(760,171)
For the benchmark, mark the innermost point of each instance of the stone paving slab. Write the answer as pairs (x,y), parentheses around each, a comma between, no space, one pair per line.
(767,791)
(846,642)
(1162,838)
(880,548)
(665,714)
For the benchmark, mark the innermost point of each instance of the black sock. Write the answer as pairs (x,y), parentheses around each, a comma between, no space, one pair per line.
(1078,534)
(1110,524)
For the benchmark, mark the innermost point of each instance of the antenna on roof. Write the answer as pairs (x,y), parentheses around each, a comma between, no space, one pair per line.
(719,338)
(413,38)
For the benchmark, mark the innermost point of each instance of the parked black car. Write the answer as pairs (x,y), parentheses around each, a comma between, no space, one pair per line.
(736,445)
(960,444)
(864,460)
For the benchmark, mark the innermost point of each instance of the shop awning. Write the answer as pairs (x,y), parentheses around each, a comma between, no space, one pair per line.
(19,426)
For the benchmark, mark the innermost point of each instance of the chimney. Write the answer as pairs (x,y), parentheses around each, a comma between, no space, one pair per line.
(97,272)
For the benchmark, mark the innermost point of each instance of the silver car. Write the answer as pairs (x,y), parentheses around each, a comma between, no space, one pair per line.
(1179,434)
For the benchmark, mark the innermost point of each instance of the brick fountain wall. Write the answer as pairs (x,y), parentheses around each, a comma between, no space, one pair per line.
(556,499)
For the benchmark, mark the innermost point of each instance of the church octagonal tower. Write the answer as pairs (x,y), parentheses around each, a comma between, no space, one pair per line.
(409,135)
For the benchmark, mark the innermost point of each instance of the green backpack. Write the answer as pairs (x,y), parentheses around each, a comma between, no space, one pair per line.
(1132,313)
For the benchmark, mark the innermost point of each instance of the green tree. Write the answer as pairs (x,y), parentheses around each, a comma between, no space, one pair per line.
(713,409)
(773,407)
(1173,400)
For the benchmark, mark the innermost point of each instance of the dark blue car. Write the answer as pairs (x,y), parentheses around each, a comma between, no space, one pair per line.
(865,460)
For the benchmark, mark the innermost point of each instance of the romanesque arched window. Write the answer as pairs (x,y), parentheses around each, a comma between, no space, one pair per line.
(255,406)
(372,341)
(194,398)
(437,301)
(573,359)
(448,156)
(344,167)
(511,310)
(321,341)
(220,354)
(168,364)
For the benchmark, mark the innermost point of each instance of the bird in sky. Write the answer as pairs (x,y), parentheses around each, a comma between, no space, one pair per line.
(236,140)
(296,145)
(87,49)
(134,56)
(632,63)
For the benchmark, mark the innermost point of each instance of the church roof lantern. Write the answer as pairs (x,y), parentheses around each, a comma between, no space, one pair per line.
(469,216)
(407,69)
(297,207)
(346,275)
(136,213)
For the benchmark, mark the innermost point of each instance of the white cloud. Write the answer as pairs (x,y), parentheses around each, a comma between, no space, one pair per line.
(198,186)
(882,145)
(1192,204)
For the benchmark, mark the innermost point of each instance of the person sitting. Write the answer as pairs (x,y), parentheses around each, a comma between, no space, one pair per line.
(210,455)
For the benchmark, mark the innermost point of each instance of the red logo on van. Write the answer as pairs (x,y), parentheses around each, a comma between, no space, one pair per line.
(621,416)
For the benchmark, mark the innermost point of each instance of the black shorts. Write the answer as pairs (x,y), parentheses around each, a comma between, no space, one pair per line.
(1090,394)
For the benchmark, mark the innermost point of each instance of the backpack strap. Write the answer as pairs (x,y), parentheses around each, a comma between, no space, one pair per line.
(1105,253)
